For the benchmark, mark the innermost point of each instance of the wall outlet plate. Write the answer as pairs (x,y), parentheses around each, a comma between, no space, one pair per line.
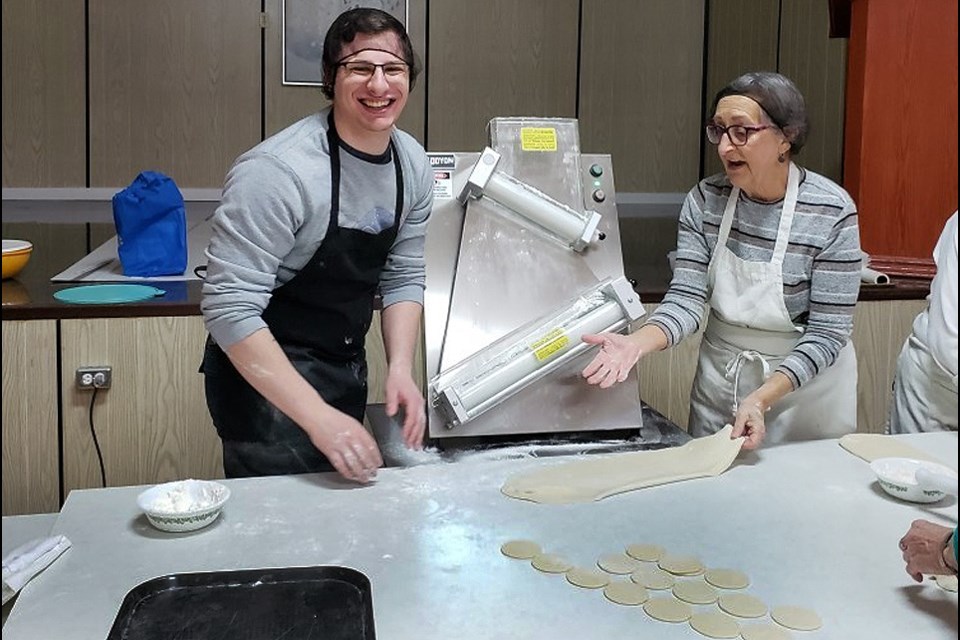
(94,377)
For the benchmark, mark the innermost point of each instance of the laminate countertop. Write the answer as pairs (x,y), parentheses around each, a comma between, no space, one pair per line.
(806,522)
(29,296)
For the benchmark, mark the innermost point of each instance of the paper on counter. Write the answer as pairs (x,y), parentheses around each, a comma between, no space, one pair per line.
(26,561)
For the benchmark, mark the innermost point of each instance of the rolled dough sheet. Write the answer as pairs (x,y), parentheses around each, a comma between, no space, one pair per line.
(589,480)
(872,446)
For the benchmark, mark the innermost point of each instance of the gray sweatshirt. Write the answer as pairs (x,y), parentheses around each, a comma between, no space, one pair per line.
(275,211)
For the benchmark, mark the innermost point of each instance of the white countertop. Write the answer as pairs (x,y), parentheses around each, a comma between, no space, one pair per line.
(807,522)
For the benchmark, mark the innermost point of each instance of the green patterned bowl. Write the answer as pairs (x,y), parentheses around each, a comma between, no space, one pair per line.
(184,505)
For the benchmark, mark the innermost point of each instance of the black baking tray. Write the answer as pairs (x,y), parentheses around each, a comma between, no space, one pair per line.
(327,602)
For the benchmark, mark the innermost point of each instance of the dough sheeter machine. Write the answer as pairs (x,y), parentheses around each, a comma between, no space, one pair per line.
(523,256)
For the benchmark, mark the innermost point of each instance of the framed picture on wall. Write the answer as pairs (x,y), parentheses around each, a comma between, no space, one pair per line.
(305,23)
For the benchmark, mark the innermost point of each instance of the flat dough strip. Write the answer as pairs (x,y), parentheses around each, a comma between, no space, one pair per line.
(589,480)
(873,446)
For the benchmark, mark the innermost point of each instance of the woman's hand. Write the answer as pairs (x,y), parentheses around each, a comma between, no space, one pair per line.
(618,355)
(402,391)
(748,422)
(923,550)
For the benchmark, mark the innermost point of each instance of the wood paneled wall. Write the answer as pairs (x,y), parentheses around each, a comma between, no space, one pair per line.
(152,424)
(44,94)
(901,138)
(174,87)
(791,37)
(31,459)
(179,86)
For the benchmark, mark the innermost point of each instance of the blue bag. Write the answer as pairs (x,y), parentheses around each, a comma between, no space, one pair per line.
(151,227)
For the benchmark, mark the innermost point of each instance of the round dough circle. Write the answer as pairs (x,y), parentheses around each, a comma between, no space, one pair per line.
(618,563)
(520,549)
(695,592)
(681,565)
(763,632)
(796,618)
(715,625)
(587,578)
(645,552)
(627,593)
(653,578)
(947,583)
(727,578)
(742,605)
(550,563)
(668,610)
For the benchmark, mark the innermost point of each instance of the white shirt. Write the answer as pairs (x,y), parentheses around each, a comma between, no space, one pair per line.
(941,329)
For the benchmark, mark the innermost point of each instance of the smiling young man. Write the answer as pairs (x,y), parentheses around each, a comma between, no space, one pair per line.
(314,222)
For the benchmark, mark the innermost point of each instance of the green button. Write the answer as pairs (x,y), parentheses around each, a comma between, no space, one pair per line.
(596,170)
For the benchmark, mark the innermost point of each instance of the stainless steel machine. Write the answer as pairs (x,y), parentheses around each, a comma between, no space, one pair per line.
(523,257)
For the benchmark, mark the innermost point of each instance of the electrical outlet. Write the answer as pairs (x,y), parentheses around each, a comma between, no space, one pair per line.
(94,377)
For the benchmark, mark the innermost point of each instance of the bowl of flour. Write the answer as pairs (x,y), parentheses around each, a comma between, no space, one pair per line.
(898,477)
(184,505)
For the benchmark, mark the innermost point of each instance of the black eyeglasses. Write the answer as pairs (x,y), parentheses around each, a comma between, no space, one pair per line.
(738,134)
(365,70)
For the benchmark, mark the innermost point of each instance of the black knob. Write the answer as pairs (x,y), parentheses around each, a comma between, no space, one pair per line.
(599,195)
(596,170)
(601,236)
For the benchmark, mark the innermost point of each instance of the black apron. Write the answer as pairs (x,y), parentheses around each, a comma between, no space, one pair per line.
(320,319)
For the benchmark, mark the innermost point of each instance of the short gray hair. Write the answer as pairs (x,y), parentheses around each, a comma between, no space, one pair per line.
(780,100)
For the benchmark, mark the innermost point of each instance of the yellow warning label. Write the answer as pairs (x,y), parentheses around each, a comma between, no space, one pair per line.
(538,139)
(551,348)
(549,336)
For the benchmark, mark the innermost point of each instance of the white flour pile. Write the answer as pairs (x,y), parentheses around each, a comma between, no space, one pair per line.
(186,496)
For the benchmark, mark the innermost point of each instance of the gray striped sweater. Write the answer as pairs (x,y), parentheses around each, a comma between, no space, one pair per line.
(821,269)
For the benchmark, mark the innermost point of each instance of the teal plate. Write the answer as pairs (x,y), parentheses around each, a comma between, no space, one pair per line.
(107,294)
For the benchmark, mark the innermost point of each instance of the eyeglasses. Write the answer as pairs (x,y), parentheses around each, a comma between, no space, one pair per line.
(365,70)
(738,134)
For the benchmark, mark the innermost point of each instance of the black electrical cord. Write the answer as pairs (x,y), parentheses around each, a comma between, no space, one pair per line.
(96,443)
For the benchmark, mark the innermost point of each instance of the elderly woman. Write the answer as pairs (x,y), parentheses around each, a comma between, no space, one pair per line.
(774,250)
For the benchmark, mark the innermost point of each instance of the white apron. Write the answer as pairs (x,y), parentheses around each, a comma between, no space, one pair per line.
(924,391)
(748,335)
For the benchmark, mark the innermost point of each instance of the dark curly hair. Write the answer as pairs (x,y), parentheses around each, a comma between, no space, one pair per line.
(369,22)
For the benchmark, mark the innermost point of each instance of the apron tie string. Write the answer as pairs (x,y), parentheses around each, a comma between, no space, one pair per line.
(735,365)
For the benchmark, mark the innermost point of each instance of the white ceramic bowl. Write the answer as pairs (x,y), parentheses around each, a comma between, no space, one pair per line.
(898,477)
(184,505)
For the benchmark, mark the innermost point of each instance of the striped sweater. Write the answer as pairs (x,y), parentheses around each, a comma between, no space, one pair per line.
(821,269)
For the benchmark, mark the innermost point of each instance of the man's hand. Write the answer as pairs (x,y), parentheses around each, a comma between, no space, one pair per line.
(618,355)
(350,448)
(402,391)
(923,549)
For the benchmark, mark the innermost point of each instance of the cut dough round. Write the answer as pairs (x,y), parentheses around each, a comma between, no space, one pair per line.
(715,625)
(948,583)
(796,618)
(627,593)
(681,565)
(763,632)
(587,578)
(645,552)
(668,610)
(727,578)
(653,578)
(550,563)
(618,563)
(695,592)
(520,549)
(742,605)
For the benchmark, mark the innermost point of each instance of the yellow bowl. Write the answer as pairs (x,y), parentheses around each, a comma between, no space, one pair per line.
(16,254)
